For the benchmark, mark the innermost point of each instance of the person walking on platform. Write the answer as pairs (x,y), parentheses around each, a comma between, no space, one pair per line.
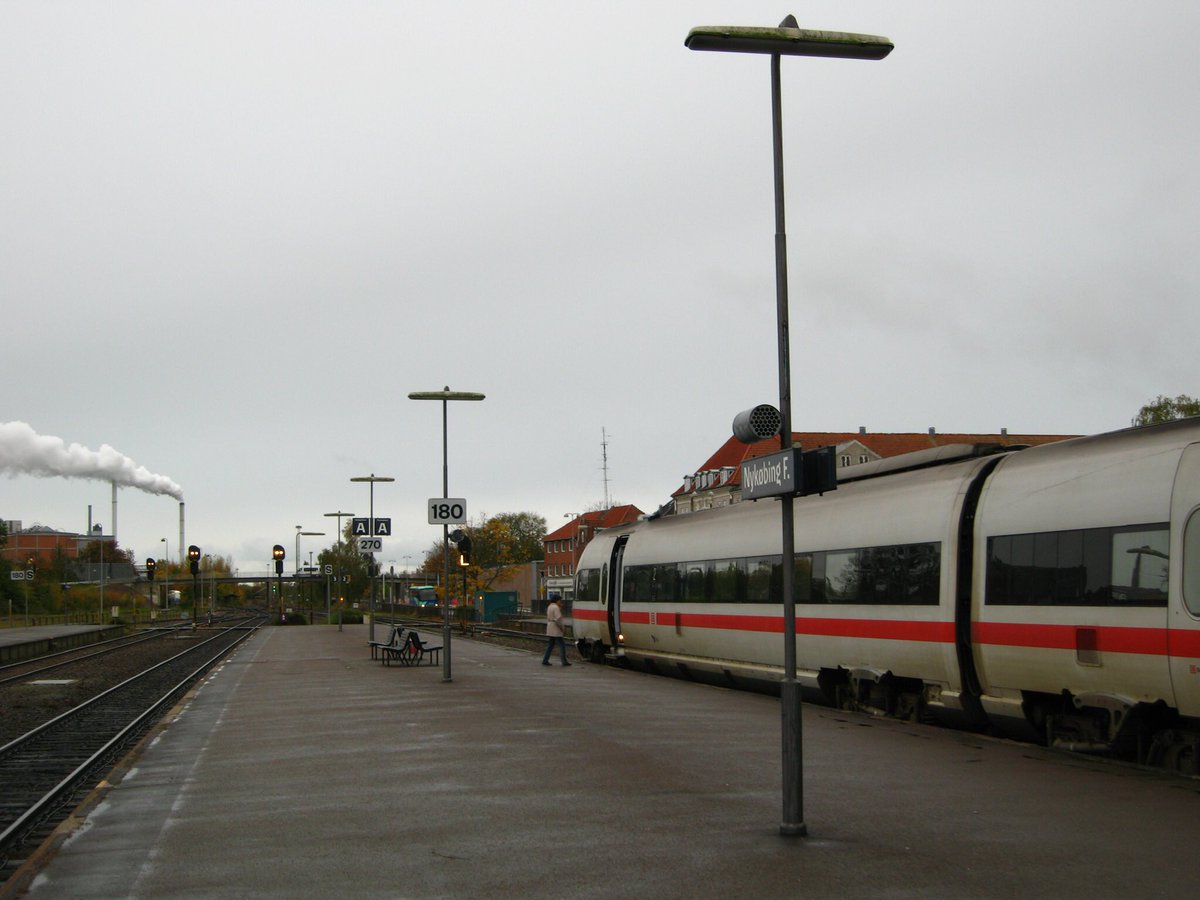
(554,631)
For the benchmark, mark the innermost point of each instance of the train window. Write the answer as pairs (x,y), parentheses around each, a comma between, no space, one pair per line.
(764,577)
(695,582)
(802,578)
(906,574)
(1191,564)
(842,574)
(665,583)
(1082,567)
(587,589)
(636,587)
(729,581)
(1139,567)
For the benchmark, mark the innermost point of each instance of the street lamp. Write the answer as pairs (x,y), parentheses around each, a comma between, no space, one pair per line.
(371,479)
(300,534)
(569,593)
(787,40)
(445,395)
(328,582)
(339,515)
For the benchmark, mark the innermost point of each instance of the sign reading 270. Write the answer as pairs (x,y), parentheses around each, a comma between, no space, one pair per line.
(447,511)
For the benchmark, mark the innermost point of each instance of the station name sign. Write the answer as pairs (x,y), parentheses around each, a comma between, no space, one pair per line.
(773,475)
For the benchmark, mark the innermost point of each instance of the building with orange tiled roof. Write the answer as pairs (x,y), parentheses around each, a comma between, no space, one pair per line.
(563,546)
(719,481)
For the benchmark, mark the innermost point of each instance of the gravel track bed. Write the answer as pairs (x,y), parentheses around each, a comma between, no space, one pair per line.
(26,704)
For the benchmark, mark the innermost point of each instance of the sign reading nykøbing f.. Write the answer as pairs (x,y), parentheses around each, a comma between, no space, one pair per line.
(773,475)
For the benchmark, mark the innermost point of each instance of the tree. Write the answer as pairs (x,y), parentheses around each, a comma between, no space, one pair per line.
(348,563)
(1167,409)
(526,531)
(104,551)
(499,544)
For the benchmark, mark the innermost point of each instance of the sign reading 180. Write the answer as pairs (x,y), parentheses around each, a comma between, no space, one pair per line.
(447,511)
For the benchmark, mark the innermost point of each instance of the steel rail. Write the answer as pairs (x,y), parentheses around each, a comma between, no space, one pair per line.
(27,820)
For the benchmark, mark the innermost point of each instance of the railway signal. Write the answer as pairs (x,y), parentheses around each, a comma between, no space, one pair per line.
(279,554)
(194,562)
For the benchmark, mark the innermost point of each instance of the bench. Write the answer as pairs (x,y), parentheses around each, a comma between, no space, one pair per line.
(393,642)
(413,652)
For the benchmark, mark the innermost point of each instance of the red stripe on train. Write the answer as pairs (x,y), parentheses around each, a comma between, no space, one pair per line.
(1107,638)
(879,629)
(1110,639)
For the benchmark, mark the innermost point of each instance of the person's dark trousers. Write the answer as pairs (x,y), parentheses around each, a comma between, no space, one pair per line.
(562,649)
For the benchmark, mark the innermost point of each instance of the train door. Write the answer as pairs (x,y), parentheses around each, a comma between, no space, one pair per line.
(1184,609)
(612,591)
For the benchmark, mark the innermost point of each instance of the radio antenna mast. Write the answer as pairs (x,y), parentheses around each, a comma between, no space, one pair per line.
(604,458)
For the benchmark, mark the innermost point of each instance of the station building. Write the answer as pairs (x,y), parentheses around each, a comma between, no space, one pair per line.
(718,482)
(564,546)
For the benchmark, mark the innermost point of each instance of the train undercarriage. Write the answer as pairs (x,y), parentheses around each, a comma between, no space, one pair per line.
(1099,724)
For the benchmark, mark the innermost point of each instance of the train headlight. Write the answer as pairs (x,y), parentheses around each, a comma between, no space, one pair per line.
(620,638)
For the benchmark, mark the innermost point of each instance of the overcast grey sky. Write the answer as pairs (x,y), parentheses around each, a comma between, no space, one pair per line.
(235,235)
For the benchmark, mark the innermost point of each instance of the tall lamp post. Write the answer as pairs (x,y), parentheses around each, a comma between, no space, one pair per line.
(340,515)
(300,534)
(445,395)
(570,593)
(787,40)
(370,480)
(328,584)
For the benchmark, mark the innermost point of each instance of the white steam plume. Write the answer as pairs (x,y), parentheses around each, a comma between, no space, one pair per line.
(25,452)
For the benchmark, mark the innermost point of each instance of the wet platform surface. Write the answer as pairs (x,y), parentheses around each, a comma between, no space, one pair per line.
(302,768)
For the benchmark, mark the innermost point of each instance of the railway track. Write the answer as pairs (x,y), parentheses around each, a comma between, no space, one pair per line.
(41,665)
(46,772)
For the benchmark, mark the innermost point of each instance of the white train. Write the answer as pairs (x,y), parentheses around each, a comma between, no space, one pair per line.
(1051,592)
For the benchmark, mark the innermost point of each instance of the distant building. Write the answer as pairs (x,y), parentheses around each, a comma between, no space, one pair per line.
(41,544)
(525,581)
(563,547)
(719,481)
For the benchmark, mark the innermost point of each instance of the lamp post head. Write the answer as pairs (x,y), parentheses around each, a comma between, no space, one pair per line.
(445,394)
(787,40)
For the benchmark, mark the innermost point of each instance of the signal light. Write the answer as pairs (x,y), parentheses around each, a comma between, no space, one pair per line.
(151,565)
(194,558)
(464,551)
(280,554)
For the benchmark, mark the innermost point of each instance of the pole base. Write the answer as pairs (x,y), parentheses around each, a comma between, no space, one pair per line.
(797,830)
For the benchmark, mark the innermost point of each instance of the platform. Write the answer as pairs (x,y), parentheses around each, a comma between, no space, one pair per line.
(17,644)
(301,768)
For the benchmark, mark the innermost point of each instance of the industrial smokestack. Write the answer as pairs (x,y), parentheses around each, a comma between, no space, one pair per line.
(181,544)
(114,515)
